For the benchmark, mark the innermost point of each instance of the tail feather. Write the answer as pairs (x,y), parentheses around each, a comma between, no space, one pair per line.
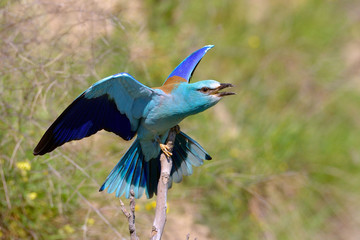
(180,159)
(134,173)
(135,183)
(153,170)
(142,183)
(116,176)
(125,186)
(187,153)
(176,171)
(124,179)
(194,147)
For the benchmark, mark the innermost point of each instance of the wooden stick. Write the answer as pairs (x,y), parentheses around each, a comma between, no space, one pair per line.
(130,215)
(162,189)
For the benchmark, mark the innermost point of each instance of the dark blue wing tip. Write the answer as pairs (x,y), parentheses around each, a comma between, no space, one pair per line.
(102,188)
(208,157)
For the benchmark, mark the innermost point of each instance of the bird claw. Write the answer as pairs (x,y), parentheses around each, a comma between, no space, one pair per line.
(165,149)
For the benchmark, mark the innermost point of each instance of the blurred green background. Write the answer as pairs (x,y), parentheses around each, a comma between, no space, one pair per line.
(286,158)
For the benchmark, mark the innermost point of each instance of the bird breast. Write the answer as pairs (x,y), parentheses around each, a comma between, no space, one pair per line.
(164,116)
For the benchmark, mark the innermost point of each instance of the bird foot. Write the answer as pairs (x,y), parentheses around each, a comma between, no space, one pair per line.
(165,149)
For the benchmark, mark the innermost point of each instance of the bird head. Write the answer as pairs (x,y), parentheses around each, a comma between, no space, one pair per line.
(202,95)
(195,97)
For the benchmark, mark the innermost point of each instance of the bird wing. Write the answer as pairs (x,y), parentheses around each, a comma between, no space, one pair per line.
(184,71)
(114,104)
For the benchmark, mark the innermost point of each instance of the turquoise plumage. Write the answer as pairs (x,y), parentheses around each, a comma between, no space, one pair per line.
(124,106)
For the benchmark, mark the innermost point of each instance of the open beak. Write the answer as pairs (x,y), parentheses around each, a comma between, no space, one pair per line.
(222,86)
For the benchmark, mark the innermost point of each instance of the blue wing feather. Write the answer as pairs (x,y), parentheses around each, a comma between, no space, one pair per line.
(81,119)
(114,104)
(186,68)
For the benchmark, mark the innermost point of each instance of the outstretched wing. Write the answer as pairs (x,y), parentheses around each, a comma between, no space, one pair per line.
(184,71)
(115,104)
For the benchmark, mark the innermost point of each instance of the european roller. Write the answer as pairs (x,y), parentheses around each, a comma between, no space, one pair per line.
(122,105)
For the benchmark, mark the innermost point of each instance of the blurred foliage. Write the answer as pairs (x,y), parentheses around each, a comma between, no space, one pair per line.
(285,149)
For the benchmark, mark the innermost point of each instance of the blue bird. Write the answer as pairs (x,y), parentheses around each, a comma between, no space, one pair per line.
(122,105)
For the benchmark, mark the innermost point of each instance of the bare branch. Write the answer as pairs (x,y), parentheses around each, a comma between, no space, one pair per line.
(130,215)
(8,202)
(16,148)
(160,211)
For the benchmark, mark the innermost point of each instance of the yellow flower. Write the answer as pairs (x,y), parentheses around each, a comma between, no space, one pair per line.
(31,196)
(151,205)
(25,166)
(137,208)
(254,41)
(68,229)
(90,221)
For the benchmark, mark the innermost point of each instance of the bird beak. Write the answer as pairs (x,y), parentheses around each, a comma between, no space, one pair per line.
(222,86)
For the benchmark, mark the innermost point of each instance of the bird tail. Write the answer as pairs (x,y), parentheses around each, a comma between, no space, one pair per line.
(186,153)
(132,172)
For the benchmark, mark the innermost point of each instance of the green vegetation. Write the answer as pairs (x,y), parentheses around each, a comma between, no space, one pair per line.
(285,149)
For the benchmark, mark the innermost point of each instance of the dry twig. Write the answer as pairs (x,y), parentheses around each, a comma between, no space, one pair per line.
(130,215)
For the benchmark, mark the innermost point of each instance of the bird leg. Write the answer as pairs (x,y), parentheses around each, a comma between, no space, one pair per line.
(177,129)
(164,148)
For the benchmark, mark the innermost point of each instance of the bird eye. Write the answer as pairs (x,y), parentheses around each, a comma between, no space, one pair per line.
(204,89)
